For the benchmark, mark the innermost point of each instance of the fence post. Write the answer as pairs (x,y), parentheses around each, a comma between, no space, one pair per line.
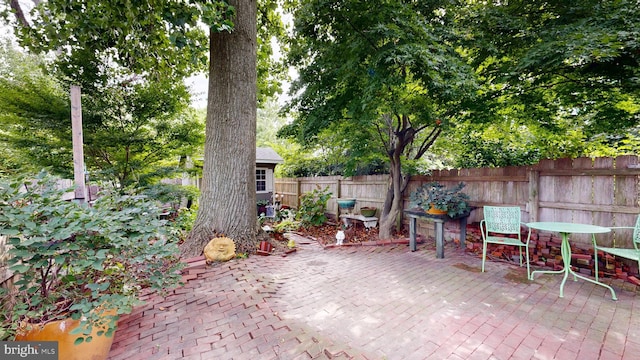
(78,152)
(298,181)
(534,198)
(338,194)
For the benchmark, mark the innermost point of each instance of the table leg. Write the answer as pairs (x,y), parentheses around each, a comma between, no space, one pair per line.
(564,269)
(565,249)
(565,244)
(439,238)
(463,232)
(412,233)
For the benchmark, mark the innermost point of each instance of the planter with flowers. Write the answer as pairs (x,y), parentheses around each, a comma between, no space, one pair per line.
(437,199)
(81,265)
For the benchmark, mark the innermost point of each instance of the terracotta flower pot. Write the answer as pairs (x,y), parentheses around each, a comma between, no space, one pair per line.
(433,211)
(60,331)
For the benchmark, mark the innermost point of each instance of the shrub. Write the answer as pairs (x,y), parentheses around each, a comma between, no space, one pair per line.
(73,260)
(312,206)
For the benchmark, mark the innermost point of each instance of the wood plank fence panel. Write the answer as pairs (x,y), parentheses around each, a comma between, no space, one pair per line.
(603,196)
(582,193)
(562,191)
(288,190)
(601,191)
(546,182)
(625,194)
(496,188)
(475,189)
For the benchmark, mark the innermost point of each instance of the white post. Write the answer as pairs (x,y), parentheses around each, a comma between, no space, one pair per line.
(78,153)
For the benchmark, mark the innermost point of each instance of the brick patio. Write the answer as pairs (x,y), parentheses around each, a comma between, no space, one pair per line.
(378,302)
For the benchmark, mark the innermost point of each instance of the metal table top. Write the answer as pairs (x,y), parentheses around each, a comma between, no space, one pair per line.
(568,228)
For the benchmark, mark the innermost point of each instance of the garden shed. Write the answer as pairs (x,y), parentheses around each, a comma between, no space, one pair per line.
(266,161)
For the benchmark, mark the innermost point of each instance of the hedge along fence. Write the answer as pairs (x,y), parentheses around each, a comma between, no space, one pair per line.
(600,191)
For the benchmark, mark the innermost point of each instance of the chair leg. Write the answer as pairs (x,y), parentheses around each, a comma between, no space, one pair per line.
(526,250)
(595,254)
(595,258)
(484,253)
(520,250)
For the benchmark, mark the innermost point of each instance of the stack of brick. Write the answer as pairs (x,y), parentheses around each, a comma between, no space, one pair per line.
(544,251)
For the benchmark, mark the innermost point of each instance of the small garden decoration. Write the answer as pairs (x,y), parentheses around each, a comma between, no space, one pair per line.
(435,195)
(71,260)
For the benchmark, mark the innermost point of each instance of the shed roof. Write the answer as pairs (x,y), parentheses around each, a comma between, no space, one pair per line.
(267,155)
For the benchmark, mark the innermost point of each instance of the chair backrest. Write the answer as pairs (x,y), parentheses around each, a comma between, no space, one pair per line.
(502,219)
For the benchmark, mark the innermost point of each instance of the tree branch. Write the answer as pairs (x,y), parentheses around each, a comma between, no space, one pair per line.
(428,141)
(348,21)
(386,144)
(17,10)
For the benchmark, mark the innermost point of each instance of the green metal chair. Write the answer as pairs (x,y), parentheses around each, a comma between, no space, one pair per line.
(627,253)
(503,220)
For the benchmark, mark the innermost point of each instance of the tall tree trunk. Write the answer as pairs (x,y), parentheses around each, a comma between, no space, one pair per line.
(393,202)
(228,193)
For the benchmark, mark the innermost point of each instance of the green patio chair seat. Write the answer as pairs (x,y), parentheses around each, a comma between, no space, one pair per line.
(504,220)
(631,253)
(504,240)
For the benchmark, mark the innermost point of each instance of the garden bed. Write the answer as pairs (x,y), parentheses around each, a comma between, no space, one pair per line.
(326,234)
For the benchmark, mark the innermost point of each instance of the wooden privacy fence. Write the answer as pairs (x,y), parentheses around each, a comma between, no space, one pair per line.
(600,191)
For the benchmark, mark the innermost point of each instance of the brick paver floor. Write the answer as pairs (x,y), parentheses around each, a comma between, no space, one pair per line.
(378,303)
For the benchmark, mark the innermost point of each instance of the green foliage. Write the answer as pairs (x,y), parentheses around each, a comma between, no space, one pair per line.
(563,70)
(150,40)
(385,84)
(394,62)
(343,150)
(171,197)
(286,225)
(161,39)
(559,79)
(182,223)
(286,213)
(73,260)
(32,107)
(172,194)
(614,145)
(270,71)
(267,124)
(452,199)
(312,206)
(132,131)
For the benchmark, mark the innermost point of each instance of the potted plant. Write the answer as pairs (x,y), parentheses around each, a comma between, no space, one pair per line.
(262,206)
(368,211)
(435,196)
(77,264)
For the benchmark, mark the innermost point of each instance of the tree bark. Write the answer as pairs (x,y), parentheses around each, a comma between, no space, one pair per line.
(393,202)
(228,193)
(17,10)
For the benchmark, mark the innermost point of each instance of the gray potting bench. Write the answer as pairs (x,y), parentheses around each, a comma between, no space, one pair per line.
(438,221)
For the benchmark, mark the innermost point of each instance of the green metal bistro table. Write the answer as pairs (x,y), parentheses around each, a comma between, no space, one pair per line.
(565,248)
